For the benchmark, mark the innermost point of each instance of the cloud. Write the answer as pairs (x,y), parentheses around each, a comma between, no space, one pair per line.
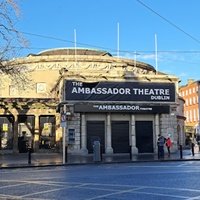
(146,56)
(183,74)
(139,56)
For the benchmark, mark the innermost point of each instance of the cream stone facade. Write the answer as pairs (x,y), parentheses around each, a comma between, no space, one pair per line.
(119,122)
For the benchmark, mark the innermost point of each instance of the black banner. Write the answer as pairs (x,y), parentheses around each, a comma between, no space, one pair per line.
(129,108)
(119,91)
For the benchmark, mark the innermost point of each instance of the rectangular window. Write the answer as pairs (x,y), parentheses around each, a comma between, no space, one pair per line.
(47,129)
(190,101)
(194,115)
(194,100)
(41,87)
(13,91)
(186,102)
(190,115)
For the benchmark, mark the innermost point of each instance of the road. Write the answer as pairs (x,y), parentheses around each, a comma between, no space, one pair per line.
(127,181)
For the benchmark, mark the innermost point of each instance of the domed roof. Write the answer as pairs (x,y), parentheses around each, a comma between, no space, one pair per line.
(73,51)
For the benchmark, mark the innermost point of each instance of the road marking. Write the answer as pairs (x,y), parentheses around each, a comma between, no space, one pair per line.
(52,190)
(8,186)
(193,198)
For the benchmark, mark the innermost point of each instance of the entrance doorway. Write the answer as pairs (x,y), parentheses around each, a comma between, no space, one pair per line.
(6,132)
(120,136)
(47,132)
(26,127)
(95,131)
(144,136)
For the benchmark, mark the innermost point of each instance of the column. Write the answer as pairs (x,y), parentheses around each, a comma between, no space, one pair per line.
(36,134)
(109,149)
(15,134)
(157,129)
(83,135)
(134,149)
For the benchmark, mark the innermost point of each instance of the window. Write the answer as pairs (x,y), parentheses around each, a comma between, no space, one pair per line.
(190,92)
(194,115)
(41,87)
(186,102)
(190,101)
(47,131)
(194,100)
(190,115)
(6,139)
(194,90)
(13,90)
(186,92)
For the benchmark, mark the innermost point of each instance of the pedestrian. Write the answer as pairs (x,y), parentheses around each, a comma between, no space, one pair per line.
(160,143)
(198,141)
(193,143)
(168,145)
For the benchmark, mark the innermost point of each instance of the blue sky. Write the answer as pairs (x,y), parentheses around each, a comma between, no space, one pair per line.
(175,23)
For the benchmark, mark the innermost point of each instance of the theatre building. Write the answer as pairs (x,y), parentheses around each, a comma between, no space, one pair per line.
(90,95)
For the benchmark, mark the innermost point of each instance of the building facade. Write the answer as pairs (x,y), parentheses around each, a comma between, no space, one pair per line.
(191,93)
(90,95)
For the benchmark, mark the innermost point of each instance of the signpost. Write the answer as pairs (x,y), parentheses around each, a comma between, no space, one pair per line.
(63,124)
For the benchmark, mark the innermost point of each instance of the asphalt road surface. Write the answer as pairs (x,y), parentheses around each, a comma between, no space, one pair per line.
(127,181)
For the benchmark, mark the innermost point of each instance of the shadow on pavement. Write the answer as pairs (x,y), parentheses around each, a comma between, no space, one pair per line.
(51,159)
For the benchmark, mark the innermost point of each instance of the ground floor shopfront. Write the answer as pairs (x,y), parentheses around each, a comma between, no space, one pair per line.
(121,132)
(42,137)
(123,116)
(36,127)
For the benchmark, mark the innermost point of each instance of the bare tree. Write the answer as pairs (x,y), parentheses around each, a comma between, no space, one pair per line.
(11,40)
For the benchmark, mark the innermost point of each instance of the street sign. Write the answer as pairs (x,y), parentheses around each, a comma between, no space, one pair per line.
(63,117)
(63,120)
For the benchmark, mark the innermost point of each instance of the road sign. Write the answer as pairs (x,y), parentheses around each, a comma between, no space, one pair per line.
(63,120)
(63,117)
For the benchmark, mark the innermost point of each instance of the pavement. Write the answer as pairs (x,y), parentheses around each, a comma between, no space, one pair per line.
(21,160)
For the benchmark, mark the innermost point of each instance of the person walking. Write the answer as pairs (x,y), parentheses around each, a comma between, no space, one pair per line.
(168,145)
(160,143)
(193,143)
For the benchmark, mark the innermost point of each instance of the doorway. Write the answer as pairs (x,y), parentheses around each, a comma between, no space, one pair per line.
(95,132)
(120,136)
(144,136)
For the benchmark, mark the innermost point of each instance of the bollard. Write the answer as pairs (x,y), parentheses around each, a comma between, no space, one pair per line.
(96,151)
(29,155)
(181,151)
(130,152)
(66,158)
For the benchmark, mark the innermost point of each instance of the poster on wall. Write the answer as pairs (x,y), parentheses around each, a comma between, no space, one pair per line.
(5,127)
(71,133)
(119,91)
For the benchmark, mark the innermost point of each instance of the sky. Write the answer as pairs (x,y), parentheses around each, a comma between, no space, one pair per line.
(132,28)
